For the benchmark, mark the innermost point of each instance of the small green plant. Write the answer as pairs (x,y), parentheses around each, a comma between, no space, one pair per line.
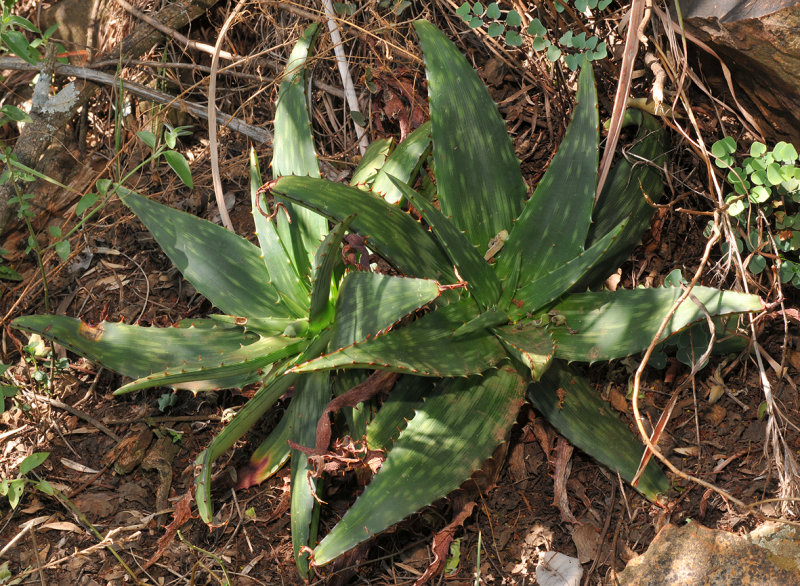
(502,278)
(766,181)
(13,489)
(13,39)
(572,48)
(7,391)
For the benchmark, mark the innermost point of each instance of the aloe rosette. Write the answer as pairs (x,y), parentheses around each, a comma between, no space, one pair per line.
(504,280)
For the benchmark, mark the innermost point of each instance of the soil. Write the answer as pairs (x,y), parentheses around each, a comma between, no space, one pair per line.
(132,497)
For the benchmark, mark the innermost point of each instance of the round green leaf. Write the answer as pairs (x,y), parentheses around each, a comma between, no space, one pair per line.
(759,194)
(553,53)
(536,28)
(463,11)
(513,18)
(757,149)
(496,29)
(85,203)
(757,264)
(493,10)
(513,38)
(62,249)
(475,22)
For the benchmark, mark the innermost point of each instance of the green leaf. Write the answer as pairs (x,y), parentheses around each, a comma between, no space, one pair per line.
(536,28)
(495,29)
(551,286)
(14,113)
(241,423)
(482,283)
(18,44)
(15,489)
(493,10)
(137,351)
(294,154)
(369,303)
(513,18)
(275,386)
(623,198)
(312,395)
(530,344)
(222,266)
(576,410)
(282,271)
(63,249)
(147,138)
(221,370)
(553,53)
(371,162)
(757,149)
(723,151)
(425,347)
(613,324)
(87,201)
(389,231)
(478,177)
(320,312)
(463,11)
(513,38)
(398,409)
(32,461)
(441,447)
(180,166)
(269,456)
(554,224)
(403,163)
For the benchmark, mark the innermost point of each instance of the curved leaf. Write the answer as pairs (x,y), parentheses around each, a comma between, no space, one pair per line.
(613,324)
(477,173)
(222,266)
(294,154)
(622,197)
(389,231)
(453,432)
(546,289)
(402,163)
(397,410)
(282,271)
(312,395)
(320,311)
(217,369)
(553,226)
(530,344)
(576,410)
(426,347)
(369,165)
(137,351)
(268,457)
(481,280)
(369,303)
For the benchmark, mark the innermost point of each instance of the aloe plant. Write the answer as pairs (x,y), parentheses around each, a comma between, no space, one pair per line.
(503,279)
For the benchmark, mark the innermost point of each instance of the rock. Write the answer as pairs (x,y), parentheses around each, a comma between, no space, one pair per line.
(693,554)
(758,41)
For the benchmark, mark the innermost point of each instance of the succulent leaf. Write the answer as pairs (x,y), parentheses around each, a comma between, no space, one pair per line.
(439,449)
(374,158)
(370,303)
(138,351)
(389,231)
(269,456)
(552,228)
(426,347)
(225,268)
(393,416)
(221,370)
(549,287)
(403,163)
(478,177)
(320,312)
(294,154)
(312,394)
(576,410)
(481,280)
(613,324)
(530,344)
(282,271)
(623,196)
